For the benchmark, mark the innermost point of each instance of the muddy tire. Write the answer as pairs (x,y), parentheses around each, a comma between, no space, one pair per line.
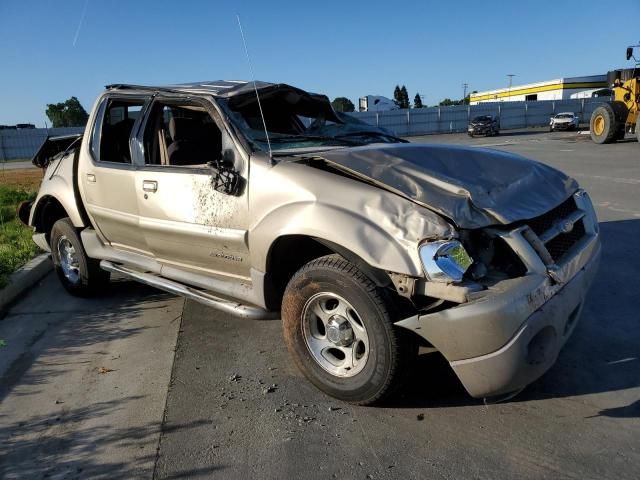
(80,275)
(338,327)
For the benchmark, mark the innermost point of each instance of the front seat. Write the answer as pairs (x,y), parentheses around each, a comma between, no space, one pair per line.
(187,146)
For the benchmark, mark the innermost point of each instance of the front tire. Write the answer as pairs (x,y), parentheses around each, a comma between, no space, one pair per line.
(80,275)
(603,124)
(338,327)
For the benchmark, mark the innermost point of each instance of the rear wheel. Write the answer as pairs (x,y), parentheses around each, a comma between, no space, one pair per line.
(638,127)
(603,124)
(338,327)
(79,274)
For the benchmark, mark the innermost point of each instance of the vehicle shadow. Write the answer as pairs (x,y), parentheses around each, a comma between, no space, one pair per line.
(71,324)
(603,354)
(79,443)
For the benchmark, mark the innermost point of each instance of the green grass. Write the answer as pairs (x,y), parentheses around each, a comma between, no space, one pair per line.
(16,245)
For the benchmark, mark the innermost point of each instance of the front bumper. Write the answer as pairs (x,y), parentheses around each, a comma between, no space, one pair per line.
(480,130)
(510,334)
(563,126)
(535,346)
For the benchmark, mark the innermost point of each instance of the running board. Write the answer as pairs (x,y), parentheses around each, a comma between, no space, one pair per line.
(228,306)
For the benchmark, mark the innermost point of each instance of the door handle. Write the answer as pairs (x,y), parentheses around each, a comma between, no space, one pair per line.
(91,178)
(149,185)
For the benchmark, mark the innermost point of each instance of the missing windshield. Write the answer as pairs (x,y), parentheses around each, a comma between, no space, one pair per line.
(298,119)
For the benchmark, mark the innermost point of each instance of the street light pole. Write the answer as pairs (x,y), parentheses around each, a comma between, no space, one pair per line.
(464,93)
(510,75)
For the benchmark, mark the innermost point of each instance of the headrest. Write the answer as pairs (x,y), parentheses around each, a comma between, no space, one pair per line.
(184,128)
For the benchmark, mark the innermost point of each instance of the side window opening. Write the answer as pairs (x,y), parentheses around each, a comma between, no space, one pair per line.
(181,135)
(117,124)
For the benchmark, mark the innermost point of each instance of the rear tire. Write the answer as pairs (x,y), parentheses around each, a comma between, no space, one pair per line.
(324,296)
(603,124)
(80,275)
(638,127)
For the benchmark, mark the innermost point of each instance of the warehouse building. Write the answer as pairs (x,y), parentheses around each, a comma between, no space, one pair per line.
(559,89)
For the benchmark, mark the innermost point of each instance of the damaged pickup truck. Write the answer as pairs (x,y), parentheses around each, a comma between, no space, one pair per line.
(260,198)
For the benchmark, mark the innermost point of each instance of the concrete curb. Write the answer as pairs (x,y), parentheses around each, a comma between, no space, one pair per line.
(24,278)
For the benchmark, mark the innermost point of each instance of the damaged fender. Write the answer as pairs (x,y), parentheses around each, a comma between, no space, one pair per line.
(384,229)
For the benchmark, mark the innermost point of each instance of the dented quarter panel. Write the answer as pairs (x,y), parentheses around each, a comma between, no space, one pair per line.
(382,228)
(58,183)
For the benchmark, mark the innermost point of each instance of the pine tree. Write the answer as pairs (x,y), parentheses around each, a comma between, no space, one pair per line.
(397,96)
(417,101)
(405,97)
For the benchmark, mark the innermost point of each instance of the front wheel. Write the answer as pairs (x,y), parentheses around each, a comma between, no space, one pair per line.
(79,274)
(338,327)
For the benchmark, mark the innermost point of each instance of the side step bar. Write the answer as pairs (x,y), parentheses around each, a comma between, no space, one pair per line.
(228,306)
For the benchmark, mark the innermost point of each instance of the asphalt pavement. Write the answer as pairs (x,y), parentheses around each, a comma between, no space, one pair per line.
(581,420)
(236,406)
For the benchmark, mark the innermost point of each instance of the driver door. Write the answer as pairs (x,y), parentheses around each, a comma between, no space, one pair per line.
(186,222)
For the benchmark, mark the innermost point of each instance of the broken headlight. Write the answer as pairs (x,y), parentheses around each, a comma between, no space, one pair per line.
(444,261)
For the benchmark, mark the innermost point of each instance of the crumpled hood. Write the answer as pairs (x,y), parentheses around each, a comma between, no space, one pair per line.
(473,187)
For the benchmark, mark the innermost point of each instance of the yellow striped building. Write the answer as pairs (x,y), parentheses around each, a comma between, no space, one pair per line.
(558,89)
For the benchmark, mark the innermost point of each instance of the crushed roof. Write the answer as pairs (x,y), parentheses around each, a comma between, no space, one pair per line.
(218,88)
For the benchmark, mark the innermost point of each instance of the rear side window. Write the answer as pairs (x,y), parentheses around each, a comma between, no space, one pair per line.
(115,130)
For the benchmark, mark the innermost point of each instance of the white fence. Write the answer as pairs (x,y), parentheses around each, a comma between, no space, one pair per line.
(23,144)
(424,121)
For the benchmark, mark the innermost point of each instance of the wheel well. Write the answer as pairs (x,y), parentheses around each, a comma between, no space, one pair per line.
(48,211)
(290,252)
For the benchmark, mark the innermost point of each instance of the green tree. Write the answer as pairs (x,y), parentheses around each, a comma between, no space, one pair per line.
(417,101)
(404,95)
(343,104)
(67,114)
(447,102)
(397,96)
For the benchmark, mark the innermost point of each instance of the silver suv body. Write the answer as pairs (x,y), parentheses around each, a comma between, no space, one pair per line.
(368,245)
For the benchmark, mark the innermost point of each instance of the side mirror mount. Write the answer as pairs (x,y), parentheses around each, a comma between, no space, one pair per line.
(225,178)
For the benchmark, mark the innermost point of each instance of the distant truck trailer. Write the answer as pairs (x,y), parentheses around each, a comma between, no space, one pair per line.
(376,103)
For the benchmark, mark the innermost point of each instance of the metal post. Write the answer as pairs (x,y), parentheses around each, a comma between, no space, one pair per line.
(377,119)
(526,110)
(2,155)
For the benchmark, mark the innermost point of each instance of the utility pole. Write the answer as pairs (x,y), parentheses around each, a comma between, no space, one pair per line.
(464,93)
(510,75)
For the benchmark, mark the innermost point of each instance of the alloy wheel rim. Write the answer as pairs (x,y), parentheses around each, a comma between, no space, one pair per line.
(68,260)
(335,335)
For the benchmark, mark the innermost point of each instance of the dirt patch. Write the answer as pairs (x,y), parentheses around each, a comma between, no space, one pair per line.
(25,179)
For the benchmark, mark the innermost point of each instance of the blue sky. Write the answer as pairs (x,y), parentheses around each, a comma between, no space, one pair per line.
(341,48)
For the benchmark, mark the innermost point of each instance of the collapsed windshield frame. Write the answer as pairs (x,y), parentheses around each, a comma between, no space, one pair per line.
(324,127)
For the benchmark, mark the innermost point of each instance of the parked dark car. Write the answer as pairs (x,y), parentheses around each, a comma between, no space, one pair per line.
(484,125)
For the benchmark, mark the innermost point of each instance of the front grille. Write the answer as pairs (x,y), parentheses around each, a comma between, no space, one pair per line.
(545,221)
(559,245)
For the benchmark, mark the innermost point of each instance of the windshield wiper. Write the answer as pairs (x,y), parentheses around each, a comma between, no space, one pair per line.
(365,133)
(295,138)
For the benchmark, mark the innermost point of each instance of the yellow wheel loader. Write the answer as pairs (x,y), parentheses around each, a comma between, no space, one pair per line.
(611,121)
